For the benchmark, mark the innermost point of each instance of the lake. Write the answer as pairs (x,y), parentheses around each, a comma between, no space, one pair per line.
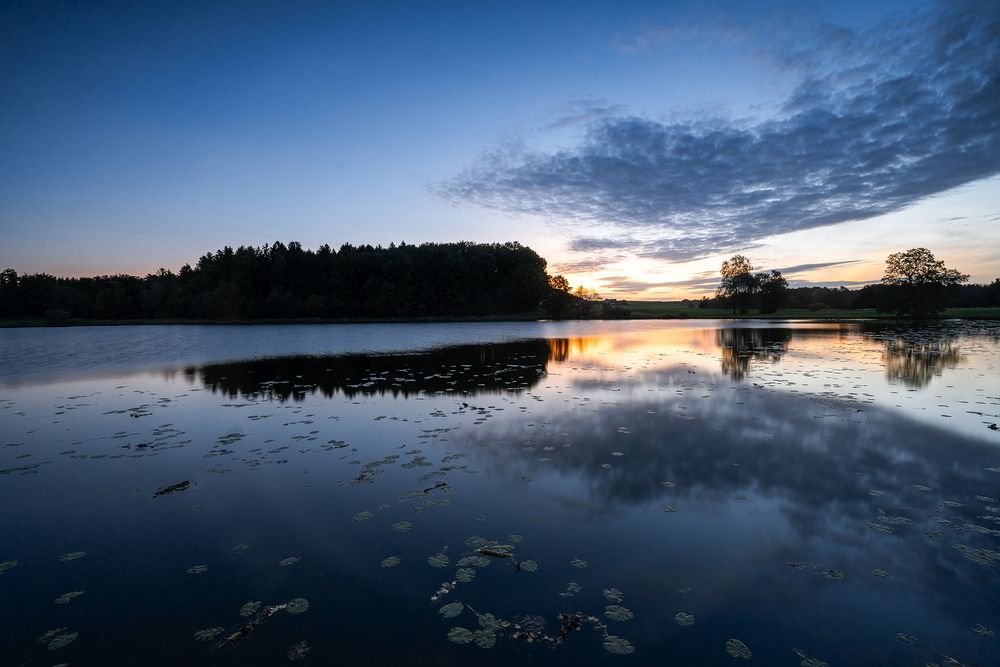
(640,493)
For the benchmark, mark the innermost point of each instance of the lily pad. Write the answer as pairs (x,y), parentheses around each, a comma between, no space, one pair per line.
(684,619)
(291,560)
(738,649)
(880,573)
(66,597)
(208,633)
(460,635)
(617,613)
(981,629)
(362,516)
(7,564)
(618,645)
(250,608)
(613,594)
(57,638)
(390,561)
(484,638)
(477,542)
(197,569)
(297,606)
(72,555)
(465,574)
(241,548)
(402,526)
(438,560)
(451,610)
(578,563)
(529,566)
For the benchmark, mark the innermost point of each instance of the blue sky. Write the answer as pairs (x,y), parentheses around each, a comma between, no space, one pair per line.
(634,145)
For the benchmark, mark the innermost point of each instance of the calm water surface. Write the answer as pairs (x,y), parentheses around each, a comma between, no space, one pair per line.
(691,493)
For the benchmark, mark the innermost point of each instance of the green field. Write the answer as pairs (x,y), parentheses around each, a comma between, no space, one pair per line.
(680,310)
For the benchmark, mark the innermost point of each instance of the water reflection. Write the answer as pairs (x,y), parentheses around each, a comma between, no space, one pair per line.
(469,369)
(916,362)
(738,347)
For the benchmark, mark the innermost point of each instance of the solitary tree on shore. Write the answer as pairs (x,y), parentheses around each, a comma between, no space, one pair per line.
(918,284)
(738,283)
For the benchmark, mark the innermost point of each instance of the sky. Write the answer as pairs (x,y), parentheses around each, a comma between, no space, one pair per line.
(634,145)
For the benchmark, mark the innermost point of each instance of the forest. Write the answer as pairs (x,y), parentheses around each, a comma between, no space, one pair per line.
(278,281)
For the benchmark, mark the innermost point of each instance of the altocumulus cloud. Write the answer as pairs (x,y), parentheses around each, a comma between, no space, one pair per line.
(917,114)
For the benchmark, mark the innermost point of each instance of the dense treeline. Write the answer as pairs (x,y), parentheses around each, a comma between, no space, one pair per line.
(876,296)
(288,281)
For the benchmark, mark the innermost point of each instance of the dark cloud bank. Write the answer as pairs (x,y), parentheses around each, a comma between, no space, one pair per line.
(912,109)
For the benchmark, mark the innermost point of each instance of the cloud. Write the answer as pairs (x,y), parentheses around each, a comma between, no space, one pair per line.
(800,268)
(913,112)
(582,112)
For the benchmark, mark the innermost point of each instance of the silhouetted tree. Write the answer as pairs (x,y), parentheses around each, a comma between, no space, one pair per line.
(738,283)
(772,289)
(918,284)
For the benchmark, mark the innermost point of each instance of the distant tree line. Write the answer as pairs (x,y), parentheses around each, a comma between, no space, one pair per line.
(288,281)
(915,284)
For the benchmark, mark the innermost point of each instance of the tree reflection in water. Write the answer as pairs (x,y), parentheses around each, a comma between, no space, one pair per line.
(739,347)
(915,361)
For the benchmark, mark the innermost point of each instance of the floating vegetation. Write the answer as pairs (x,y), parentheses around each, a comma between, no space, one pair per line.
(737,649)
(614,595)
(807,660)
(297,606)
(65,598)
(882,528)
(402,526)
(298,651)
(617,613)
(241,548)
(985,557)
(390,561)
(477,542)
(618,645)
(291,560)
(197,569)
(515,538)
(452,609)
(460,635)
(57,638)
(444,589)
(484,638)
(465,575)
(669,509)
(362,516)
(7,564)
(235,637)
(250,608)
(438,560)
(578,563)
(683,618)
(209,633)
(528,566)
(880,573)
(72,555)
(475,560)
(903,637)
(572,588)
(981,629)
(173,488)
(836,575)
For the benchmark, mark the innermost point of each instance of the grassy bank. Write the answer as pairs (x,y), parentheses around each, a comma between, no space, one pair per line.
(640,310)
(680,310)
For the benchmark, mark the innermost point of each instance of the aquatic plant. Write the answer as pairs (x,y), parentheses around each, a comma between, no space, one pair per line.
(390,561)
(297,606)
(737,649)
(683,618)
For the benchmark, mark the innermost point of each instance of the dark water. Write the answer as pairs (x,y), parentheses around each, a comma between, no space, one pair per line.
(815,491)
